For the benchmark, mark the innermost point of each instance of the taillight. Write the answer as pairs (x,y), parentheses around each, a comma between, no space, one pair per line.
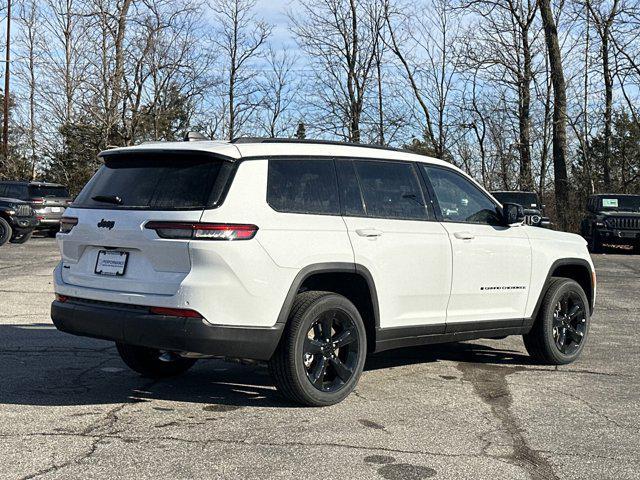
(38,201)
(175,312)
(61,298)
(67,223)
(203,231)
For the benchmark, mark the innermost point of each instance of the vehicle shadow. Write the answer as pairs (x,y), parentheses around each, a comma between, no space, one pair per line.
(40,366)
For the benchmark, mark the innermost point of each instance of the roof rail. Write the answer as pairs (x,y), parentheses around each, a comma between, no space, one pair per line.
(239,140)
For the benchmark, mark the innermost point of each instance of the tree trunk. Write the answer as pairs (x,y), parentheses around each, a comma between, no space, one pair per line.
(524,116)
(118,76)
(559,113)
(608,94)
(5,111)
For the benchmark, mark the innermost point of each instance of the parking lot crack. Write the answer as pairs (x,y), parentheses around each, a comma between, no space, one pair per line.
(490,383)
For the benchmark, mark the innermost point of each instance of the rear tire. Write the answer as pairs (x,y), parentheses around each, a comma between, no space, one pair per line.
(21,238)
(5,231)
(52,233)
(561,328)
(322,351)
(146,361)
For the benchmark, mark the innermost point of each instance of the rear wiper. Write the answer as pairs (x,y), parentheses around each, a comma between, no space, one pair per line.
(114,199)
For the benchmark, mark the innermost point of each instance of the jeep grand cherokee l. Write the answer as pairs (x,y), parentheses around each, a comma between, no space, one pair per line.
(307,255)
(612,220)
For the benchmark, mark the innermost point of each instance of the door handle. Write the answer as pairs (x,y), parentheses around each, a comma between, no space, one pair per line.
(464,235)
(368,232)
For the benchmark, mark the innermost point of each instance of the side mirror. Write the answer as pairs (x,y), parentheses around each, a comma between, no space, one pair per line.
(512,213)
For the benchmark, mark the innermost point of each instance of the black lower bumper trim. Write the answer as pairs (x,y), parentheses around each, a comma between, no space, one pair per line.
(138,327)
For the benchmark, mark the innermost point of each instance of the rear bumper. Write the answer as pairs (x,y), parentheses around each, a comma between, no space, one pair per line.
(136,326)
(48,222)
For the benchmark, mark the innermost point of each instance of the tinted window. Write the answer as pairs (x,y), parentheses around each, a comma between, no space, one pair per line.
(621,203)
(153,182)
(459,199)
(16,191)
(391,190)
(526,199)
(303,186)
(350,195)
(46,191)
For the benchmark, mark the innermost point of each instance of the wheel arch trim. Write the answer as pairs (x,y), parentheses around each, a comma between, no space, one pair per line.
(564,262)
(329,267)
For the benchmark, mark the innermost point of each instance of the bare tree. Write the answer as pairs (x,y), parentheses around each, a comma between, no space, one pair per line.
(30,46)
(340,40)
(559,112)
(603,14)
(424,45)
(279,90)
(242,36)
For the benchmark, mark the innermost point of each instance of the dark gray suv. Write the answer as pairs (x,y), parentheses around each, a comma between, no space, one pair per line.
(49,201)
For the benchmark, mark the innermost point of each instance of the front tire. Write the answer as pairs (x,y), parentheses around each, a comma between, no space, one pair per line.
(21,238)
(5,231)
(322,352)
(562,325)
(153,363)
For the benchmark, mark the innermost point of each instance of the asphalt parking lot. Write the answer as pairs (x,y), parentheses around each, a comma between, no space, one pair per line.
(69,408)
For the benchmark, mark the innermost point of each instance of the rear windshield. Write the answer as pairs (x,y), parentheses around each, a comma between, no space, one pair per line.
(156,182)
(526,199)
(45,191)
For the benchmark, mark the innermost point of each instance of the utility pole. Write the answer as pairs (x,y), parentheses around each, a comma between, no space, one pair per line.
(5,124)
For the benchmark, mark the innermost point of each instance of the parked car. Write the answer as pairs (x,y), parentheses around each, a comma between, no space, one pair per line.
(612,220)
(17,221)
(307,255)
(533,209)
(49,200)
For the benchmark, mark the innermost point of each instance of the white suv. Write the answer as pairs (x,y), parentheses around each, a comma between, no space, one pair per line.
(308,255)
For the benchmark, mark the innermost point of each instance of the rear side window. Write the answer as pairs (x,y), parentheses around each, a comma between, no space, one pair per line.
(47,191)
(163,181)
(303,186)
(350,194)
(391,190)
(16,191)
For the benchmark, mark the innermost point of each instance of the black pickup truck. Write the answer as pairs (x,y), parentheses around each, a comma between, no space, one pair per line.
(17,221)
(612,220)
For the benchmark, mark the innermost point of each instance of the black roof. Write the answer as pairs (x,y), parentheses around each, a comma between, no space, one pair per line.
(512,191)
(26,182)
(595,195)
(313,141)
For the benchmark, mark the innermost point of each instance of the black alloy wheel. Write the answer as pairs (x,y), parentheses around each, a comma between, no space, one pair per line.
(330,353)
(569,322)
(561,327)
(322,351)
